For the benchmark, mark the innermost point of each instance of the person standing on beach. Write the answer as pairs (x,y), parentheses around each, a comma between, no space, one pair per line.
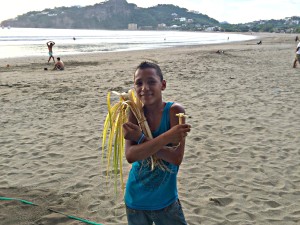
(297,58)
(50,44)
(151,193)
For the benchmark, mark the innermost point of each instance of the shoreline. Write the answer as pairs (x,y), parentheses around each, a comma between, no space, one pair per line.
(243,150)
(258,36)
(99,54)
(101,44)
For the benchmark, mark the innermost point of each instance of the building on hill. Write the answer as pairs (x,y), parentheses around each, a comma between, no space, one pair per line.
(132,26)
(161,26)
(146,28)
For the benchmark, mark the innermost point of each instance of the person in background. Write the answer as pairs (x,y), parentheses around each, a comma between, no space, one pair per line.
(59,65)
(297,58)
(50,45)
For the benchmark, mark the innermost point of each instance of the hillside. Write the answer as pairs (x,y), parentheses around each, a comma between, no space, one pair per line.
(286,25)
(112,14)
(117,14)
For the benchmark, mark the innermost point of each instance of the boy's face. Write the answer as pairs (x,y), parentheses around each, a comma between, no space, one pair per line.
(148,86)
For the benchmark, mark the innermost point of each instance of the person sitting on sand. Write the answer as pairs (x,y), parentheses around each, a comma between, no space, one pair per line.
(59,65)
(297,58)
(50,44)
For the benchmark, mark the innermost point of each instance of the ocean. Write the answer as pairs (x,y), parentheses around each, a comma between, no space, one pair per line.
(25,42)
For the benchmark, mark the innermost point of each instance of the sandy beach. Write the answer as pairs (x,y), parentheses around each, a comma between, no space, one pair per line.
(242,157)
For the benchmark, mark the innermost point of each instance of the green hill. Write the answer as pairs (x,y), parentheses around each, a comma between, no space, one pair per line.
(117,14)
(112,14)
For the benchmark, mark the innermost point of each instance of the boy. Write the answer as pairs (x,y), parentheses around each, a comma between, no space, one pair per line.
(59,65)
(151,195)
(50,44)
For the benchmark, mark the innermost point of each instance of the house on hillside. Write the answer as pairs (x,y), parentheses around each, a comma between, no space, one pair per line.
(161,26)
(132,26)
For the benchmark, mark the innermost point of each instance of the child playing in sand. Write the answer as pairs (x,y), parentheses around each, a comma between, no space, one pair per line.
(151,195)
(50,44)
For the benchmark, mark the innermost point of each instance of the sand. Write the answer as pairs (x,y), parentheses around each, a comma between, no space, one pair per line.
(242,157)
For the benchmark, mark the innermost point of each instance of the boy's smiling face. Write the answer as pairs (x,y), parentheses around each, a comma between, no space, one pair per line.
(148,86)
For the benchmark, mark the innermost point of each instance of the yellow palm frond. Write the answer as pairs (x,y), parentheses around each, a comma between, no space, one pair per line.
(112,137)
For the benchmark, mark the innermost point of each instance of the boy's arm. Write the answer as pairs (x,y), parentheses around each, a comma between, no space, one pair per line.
(174,156)
(135,152)
(149,147)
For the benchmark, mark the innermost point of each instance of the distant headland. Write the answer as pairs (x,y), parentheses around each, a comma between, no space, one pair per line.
(119,14)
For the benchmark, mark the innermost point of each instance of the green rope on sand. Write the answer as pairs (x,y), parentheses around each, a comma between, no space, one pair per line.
(16,199)
(51,210)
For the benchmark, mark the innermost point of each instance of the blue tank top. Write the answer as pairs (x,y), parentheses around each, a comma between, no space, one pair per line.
(157,189)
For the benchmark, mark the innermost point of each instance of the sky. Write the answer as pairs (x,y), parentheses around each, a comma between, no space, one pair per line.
(232,11)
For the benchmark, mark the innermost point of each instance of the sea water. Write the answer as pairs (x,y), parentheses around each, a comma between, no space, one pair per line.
(24,42)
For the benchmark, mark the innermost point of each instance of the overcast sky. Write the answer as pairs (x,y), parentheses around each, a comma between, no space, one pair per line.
(232,11)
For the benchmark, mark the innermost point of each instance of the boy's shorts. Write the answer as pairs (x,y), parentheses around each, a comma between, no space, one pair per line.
(298,57)
(172,215)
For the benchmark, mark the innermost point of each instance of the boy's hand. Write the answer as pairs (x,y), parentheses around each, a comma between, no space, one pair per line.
(178,132)
(131,131)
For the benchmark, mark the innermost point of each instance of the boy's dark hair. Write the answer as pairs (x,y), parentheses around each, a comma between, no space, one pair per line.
(146,65)
(58,58)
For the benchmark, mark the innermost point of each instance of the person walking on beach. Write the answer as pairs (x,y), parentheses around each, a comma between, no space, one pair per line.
(151,194)
(50,44)
(297,58)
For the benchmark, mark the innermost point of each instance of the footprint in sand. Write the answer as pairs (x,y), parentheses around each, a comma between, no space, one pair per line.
(221,201)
